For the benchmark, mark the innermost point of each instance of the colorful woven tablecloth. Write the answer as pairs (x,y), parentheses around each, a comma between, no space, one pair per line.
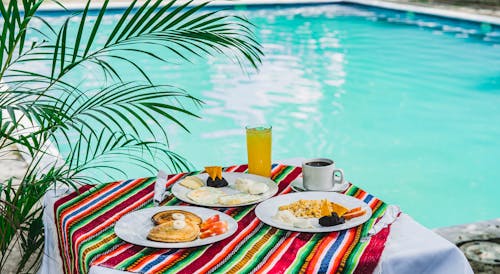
(85,221)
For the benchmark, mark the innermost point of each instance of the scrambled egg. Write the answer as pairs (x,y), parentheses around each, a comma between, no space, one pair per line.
(314,208)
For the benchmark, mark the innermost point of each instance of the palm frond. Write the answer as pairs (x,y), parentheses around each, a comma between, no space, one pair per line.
(42,106)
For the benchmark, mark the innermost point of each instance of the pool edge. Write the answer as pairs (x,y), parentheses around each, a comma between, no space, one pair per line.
(439,12)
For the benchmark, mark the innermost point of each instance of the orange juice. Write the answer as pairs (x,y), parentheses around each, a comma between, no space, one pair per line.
(259,140)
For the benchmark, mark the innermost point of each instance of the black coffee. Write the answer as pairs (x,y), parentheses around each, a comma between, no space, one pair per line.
(318,163)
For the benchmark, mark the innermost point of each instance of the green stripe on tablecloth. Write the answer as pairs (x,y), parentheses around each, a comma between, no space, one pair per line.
(283,173)
(172,201)
(352,190)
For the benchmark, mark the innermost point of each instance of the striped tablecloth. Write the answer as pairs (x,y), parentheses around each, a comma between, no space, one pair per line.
(85,221)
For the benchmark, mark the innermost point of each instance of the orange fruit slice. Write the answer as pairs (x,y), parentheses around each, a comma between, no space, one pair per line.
(339,209)
(354,214)
(354,210)
(214,172)
(325,208)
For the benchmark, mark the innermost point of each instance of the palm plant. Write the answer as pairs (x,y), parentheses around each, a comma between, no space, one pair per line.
(43,107)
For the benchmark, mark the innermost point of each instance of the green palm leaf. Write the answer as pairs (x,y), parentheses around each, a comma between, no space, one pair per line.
(117,120)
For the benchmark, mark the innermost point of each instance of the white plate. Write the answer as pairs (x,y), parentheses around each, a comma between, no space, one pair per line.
(267,209)
(298,186)
(135,226)
(181,192)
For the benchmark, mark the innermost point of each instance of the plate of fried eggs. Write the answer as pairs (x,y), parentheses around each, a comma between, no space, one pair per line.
(242,189)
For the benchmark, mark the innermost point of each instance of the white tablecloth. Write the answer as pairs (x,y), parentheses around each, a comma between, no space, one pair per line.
(410,248)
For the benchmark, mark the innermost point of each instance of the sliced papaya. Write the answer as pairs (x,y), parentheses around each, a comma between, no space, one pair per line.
(354,214)
(354,210)
(339,209)
(214,172)
(325,208)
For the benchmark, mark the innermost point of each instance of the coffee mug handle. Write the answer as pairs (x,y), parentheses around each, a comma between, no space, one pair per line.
(341,181)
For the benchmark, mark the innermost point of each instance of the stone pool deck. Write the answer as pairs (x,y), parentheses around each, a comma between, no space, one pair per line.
(479,241)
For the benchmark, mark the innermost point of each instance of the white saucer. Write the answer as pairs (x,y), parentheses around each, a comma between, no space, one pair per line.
(298,186)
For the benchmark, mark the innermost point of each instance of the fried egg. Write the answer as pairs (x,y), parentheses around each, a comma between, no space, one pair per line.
(206,195)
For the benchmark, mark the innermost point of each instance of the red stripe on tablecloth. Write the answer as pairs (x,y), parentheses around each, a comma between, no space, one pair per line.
(283,186)
(172,179)
(371,256)
(232,169)
(130,251)
(240,168)
(106,256)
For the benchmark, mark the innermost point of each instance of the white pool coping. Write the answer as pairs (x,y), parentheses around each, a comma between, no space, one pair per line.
(454,14)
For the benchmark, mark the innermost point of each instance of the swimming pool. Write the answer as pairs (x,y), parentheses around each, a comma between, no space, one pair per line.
(408,105)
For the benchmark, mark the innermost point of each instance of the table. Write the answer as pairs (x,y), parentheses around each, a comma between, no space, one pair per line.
(410,248)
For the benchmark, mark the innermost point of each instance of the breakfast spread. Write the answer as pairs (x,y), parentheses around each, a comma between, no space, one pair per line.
(215,177)
(302,212)
(175,226)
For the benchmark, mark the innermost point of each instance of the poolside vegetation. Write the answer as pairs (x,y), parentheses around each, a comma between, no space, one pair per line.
(43,108)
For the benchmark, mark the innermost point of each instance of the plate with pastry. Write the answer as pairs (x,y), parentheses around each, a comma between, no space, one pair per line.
(215,188)
(313,211)
(175,226)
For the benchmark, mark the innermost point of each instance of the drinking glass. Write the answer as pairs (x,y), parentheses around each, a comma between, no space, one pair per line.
(259,140)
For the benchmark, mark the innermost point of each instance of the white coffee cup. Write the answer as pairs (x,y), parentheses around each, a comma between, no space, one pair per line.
(319,174)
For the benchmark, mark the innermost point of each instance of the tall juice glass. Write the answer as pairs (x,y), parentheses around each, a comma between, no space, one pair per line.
(259,140)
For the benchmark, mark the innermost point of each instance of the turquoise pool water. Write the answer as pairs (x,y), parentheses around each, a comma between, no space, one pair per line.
(407,105)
